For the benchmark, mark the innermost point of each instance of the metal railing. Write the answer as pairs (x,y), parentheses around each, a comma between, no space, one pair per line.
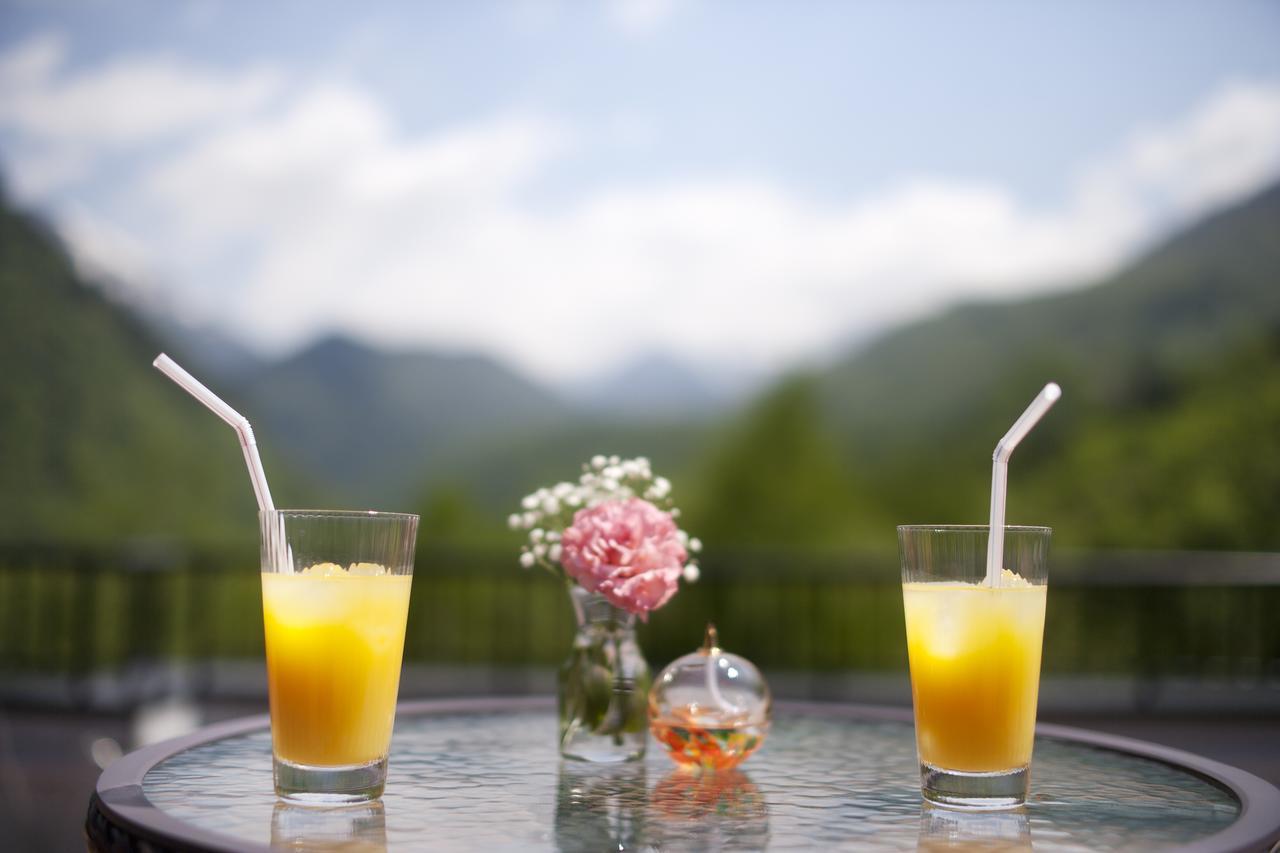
(75,613)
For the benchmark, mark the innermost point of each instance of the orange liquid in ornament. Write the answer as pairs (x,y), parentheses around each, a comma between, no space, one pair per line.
(694,739)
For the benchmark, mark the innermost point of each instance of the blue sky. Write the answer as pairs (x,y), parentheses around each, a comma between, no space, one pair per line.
(566,185)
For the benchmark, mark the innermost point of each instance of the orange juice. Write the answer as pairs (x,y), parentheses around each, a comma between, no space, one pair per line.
(975,672)
(334,644)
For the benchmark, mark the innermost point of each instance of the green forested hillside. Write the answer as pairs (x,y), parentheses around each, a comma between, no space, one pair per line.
(1167,433)
(1200,470)
(95,445)
(1129,341)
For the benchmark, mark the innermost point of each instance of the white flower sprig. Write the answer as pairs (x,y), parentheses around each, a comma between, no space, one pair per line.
(548,511)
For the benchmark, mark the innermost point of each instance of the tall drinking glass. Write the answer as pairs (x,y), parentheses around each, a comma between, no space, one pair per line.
(335,597)
(975,660)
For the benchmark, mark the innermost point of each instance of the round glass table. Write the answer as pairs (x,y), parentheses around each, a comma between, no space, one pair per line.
(485,774)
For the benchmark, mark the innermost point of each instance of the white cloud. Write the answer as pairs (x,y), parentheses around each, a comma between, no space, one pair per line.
(641,17)
(330,169)
(1222,150)
(62,119)
(126,101)
(106,253)
(28,64)
(323,214)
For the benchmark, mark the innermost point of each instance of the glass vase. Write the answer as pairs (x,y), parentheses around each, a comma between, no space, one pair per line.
(604,684)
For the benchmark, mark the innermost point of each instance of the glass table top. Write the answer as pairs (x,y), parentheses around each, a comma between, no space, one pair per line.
(493,780)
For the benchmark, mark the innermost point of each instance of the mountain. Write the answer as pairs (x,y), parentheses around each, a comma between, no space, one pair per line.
(1189,299)
(1165,436)
(654,387)
(1142,355)
(212,354)
(95,444)
(374,426)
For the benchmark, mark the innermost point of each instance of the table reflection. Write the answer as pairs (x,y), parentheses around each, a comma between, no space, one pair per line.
(359,828)
(599,806)
(611,807)
(946,829)
(711,810)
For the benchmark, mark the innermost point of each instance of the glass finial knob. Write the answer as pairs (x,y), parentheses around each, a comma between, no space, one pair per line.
(711,643)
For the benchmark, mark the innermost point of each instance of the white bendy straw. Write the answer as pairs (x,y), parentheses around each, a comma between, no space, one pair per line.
(238,422)
(1000,475)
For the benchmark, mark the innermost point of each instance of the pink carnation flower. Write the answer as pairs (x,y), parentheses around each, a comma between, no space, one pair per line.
(628,550)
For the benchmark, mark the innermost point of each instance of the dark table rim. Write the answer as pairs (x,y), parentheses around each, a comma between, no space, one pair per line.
(119,796)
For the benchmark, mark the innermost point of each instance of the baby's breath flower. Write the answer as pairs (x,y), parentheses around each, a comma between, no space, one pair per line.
(604,479)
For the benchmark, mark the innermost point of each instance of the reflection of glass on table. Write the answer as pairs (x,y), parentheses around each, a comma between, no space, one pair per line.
(692,810)
(356,828)
(599,806)
(989,832)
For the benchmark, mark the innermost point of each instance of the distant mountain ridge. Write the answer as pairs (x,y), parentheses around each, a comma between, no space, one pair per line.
(378,426)
(372,425)
(653,387)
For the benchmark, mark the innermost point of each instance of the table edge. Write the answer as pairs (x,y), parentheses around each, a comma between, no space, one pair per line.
(118,793)
(119,796)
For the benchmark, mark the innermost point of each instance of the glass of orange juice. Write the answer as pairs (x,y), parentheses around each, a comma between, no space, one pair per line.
(335,598)
(974,651)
